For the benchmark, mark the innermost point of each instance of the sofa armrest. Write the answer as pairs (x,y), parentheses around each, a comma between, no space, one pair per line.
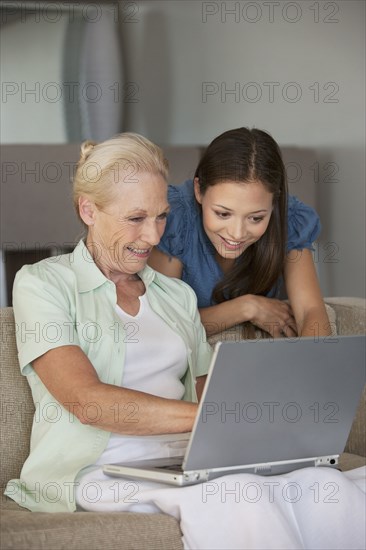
(350,314)
(351,319)
(356,442)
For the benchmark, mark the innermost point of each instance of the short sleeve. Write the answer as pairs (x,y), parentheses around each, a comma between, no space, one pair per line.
(42,316)
(303,225)
(204,350)
(175,240)
(200,350)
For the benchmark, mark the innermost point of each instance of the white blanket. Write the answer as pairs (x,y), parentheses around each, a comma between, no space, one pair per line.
(311,508)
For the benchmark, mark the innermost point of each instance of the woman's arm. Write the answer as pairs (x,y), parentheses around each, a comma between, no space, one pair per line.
(305,316)
(273,316)
(304,294)
(200,384)
(70,377)
(167,265)
(268,314)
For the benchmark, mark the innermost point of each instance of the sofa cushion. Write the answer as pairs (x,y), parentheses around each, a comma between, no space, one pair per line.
(17,407)
(356,442)
(348,461)
(351,314)
(22,530)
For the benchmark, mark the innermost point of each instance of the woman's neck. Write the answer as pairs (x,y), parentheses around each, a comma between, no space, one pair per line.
(105,264)
(226,264)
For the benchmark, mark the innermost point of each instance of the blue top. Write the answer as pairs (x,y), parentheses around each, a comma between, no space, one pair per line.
(185,238)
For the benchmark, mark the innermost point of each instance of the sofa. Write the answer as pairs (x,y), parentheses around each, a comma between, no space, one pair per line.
(37,179)
(22,529)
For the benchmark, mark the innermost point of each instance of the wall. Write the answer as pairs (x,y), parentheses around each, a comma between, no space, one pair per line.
(297,69)
(194,69)
(30,62)
(61,72)
(37,217)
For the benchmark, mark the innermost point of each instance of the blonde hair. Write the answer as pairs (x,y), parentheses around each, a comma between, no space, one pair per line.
(120,158)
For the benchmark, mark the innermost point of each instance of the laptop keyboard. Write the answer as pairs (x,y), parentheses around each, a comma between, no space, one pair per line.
(178,467)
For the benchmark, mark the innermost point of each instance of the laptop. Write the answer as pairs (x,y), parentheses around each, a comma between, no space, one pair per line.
(269,406)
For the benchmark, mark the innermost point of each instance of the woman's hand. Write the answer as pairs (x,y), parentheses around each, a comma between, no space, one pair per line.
(273,316)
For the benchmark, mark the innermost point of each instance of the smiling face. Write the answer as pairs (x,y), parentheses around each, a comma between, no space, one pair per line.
(122,235)
(235,215)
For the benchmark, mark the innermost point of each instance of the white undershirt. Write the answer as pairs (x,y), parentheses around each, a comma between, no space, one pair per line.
(156,360)
(156,356)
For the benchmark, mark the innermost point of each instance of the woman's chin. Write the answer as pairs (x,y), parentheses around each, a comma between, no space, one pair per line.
(230,254)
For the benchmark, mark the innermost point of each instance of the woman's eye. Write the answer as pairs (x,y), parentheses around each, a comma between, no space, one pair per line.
(257,220)
(222,215)
(162,216)
(136,220)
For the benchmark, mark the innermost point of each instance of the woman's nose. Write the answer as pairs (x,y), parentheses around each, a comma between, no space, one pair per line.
(151,233)
(237,230)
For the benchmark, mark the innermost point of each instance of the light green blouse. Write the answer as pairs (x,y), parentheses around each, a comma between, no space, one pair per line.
(66,300)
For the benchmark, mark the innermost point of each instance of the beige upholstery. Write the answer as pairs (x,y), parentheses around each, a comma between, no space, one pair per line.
(37,178)
(21,529)
(47,192)
(90,531)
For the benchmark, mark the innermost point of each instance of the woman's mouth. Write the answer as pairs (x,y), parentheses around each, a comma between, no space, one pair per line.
(141,253)
(232,245)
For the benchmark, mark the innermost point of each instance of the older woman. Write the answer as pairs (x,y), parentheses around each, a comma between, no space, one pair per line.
(115,355)
(120,347)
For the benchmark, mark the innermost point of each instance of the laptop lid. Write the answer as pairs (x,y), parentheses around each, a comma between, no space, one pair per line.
(277,399)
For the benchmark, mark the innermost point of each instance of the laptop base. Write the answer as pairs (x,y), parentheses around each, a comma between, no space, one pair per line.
(163,471)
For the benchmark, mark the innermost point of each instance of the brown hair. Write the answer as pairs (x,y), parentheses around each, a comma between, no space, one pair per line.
(248,155)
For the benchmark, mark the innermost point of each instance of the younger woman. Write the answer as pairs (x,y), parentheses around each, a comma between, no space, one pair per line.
(235,237)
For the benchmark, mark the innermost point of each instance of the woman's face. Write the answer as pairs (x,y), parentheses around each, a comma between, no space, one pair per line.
(235,215)
(122,235)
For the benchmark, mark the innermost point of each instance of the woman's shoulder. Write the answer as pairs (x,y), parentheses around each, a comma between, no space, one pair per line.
(181,195)
(50,275)
(182,220)
(303,224)
(53,267)
(177,290)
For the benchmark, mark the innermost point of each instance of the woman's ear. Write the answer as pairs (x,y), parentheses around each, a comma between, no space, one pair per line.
(197,190)
(87,210)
